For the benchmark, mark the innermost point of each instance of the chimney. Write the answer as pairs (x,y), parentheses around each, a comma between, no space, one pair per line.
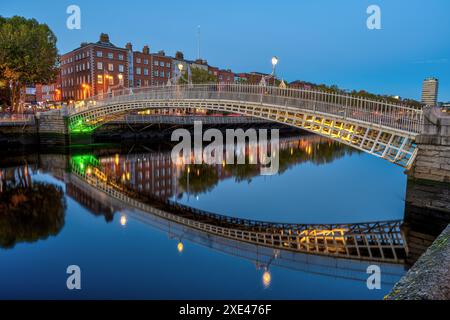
(129,46)
(104,37)
(161,53)
(146,50)
(179,55)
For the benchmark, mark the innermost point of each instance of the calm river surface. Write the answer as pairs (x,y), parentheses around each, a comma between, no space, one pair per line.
(50,219)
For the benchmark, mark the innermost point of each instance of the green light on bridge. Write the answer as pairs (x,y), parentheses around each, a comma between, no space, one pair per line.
(80,127)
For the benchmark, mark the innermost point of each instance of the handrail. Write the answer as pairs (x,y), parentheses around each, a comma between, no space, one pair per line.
(376,112)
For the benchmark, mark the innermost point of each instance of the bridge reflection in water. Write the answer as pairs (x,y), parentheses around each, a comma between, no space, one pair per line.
(139,185)
(345,250)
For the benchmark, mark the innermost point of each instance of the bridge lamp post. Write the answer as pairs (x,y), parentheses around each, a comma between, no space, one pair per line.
(274,67)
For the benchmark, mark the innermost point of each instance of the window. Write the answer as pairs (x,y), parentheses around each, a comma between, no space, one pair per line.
(145,61)
(138,70)
(155,73)
(110,55)
(110,67)
(138,60)
(120,56)
(156,63)
(99,65)
(99,54)
(100,79)
(168,65)
(145,72)
(111,80)
(138,83)
(162,73)
(161,64)
(121,68)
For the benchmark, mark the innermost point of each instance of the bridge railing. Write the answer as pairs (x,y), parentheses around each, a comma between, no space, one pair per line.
(16,119)
(383,113)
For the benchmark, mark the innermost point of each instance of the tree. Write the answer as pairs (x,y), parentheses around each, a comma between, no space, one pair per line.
(28,54)
(199,76)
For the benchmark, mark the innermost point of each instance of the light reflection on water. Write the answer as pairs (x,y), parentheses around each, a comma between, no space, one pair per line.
(319,182)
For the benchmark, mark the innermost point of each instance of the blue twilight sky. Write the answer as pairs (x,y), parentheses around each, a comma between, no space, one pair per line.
(324,41)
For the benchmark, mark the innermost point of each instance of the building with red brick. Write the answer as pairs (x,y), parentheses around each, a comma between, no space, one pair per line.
(225,76)
(148,69)
(161,68)
(92,69)
(49,93)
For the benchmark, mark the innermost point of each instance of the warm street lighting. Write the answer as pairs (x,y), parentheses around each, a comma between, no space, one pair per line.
(267,278)
(180,247)
(274,61)
(180,67)
(123,220)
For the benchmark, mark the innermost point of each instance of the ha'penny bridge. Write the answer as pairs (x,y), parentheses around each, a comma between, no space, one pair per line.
(374,241)
(379,128)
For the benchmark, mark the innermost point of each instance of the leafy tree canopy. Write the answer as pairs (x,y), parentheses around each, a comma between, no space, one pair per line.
(28,53)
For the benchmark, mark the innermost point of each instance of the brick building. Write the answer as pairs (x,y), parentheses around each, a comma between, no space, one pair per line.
(225,76)
(49,92)
(93,68)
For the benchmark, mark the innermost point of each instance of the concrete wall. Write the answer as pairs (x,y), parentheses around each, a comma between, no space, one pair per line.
(433,157)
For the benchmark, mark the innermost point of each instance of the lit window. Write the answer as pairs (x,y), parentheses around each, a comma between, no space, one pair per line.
(100,79)
(110,67)
(111,80)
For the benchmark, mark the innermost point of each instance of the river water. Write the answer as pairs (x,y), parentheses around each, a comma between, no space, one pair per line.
(50,219)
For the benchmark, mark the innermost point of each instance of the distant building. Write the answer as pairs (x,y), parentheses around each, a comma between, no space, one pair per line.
(430,91)
(225,76)
(298,84)
(49,92)
(148,69)
(214,71)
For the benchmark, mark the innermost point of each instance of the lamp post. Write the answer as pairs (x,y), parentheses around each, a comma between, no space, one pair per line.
(264,79)
(274,67)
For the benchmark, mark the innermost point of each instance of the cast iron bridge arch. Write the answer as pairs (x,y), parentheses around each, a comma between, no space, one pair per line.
(382,129)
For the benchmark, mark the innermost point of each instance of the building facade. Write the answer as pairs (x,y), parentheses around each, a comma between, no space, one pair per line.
(92,69)
(430,91)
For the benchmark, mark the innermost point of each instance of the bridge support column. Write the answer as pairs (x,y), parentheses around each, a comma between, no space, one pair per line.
(52,128)
(433,156)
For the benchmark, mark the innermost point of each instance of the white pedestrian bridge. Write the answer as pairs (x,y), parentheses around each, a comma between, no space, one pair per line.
(380,128)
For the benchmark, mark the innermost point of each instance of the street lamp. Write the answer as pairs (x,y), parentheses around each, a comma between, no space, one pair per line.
(180,67)
(274,66)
